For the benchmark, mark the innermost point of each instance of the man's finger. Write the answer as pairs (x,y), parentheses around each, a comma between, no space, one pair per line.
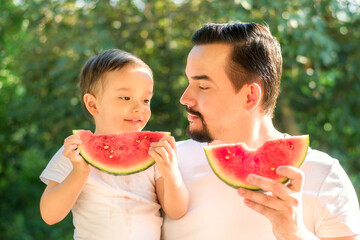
(269,185)
(262,199)
(295,175)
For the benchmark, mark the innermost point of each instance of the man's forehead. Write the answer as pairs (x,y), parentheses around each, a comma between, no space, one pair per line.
(210,50)
(207,57)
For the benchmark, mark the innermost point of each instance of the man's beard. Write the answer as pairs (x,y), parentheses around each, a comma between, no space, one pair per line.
(202,135)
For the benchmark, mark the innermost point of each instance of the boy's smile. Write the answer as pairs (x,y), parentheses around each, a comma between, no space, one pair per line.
(134,121)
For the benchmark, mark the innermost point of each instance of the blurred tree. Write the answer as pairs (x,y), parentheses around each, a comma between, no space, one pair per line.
(43,45)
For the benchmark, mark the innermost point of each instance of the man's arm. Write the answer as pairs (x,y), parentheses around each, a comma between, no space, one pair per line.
(343,238)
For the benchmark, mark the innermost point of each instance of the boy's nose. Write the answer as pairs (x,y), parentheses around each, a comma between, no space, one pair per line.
(137,107)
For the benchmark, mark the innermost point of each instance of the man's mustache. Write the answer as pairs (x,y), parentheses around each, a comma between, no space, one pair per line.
(193,112)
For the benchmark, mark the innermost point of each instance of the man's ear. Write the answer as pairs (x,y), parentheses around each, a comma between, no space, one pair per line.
(253,97)
(90,103)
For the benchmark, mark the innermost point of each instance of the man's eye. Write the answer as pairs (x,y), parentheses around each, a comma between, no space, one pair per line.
(125,98)
(203,88)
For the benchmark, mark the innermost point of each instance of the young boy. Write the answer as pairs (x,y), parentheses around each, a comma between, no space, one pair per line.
(116,91)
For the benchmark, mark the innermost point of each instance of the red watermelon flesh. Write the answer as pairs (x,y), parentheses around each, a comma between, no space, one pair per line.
(119,154)
(232,163)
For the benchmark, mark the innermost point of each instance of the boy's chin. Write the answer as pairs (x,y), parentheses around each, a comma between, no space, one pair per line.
(131,129)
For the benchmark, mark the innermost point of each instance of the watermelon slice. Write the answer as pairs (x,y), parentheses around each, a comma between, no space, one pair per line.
(118,154)
(232,163)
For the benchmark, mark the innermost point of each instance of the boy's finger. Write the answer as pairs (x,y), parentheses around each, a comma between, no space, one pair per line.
(163,152)
(70,149)
(76,153)
(72,142)
(169,149)
(172,141)
(169,139)
(72,138)
(155,155)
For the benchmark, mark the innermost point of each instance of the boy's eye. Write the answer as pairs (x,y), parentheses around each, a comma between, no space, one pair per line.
(125,98)
(147,101)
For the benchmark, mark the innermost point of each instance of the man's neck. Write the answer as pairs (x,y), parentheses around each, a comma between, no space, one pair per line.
(255,134)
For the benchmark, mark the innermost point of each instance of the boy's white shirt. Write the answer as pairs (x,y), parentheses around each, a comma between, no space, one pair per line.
(111,207)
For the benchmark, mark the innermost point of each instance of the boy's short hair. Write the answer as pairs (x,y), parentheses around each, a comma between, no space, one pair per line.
(107,61)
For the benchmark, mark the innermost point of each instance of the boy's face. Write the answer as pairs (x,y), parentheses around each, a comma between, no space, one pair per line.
(123,103)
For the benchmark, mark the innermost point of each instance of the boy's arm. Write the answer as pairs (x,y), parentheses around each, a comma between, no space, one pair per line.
(59,198)
(170,188)
(173,197)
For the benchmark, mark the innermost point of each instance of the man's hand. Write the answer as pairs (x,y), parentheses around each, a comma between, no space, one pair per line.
(281,203)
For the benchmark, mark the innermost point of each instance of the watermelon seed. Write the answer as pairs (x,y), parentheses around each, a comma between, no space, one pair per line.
(272,169)
(120,148)
(228,151)
(291,146)
(111,156)
(106,147)
(227,157)
(111,150)
(137,140)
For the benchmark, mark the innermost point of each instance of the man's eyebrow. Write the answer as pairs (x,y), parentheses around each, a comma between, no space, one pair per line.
(200,77)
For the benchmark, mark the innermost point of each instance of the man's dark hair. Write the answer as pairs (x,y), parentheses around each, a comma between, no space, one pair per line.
(107,61)
(256,56)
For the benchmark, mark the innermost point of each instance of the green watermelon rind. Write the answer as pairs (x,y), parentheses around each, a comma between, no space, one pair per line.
(145,165)
(239,184)
(219,175)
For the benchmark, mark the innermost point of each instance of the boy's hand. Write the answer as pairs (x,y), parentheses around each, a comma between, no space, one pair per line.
(72,152)
(164,153)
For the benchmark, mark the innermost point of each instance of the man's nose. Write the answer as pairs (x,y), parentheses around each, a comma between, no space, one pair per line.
(186,98)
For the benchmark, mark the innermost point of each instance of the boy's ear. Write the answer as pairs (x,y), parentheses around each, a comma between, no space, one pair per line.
(90,103)
(254,95)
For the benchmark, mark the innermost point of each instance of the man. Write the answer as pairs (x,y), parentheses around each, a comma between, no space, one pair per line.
(234,73)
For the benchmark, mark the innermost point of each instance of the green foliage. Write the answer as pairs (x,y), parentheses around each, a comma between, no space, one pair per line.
(43,45)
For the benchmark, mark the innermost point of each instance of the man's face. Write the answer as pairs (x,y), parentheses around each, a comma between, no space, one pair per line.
(213,106)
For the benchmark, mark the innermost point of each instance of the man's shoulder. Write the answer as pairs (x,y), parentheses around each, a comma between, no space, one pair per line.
(189,143)
(318,165)
(319,158)
(189,148)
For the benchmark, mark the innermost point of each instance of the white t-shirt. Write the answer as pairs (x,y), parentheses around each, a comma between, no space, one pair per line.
(111,207)
(216,211)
